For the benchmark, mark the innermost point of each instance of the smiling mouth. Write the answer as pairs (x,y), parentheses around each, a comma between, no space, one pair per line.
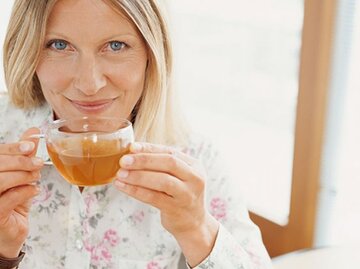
(94,106)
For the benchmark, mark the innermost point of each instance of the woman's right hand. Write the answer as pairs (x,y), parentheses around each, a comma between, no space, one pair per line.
(19,172)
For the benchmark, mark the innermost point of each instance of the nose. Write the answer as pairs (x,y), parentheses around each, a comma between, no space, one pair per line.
(88,78)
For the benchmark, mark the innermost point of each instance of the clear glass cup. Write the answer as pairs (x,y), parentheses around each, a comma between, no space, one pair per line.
(86,151)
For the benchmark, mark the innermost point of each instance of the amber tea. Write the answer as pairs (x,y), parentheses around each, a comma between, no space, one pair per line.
(90,165)
(86,151)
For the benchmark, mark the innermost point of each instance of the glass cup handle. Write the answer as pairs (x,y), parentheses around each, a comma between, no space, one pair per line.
(37,136)
(40,136)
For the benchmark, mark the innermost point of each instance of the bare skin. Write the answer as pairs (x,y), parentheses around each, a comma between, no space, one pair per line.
(19,172)
(174,183)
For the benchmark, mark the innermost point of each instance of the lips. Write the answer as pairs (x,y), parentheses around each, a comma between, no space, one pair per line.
(93,106)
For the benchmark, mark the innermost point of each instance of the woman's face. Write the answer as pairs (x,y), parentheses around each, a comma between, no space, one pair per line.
(93,61)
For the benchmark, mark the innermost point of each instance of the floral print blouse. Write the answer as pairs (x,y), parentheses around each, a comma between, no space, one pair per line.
(102,228)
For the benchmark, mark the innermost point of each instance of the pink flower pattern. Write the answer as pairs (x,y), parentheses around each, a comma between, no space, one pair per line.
(153,265)
(137,216)
(218,208)
(111,237)
(90,200)
(101,252)
(44,195)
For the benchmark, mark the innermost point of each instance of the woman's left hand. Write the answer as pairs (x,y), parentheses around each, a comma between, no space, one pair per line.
(174,183)
(168,180)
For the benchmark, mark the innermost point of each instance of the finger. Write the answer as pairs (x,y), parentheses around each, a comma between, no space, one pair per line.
(10,180)
(20,163)
(158,162)
(156,181)
(19,148)
(153,148)
(12,198)
(26,146)
(26,137)
(157,199)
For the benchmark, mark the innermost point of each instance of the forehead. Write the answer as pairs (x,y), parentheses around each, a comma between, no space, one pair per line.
(89,17)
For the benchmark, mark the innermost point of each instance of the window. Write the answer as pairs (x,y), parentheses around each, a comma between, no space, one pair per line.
(339,204)
(237,65)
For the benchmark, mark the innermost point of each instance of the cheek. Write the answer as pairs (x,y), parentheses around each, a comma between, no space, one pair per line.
(129,79)
(130,82)
(53,77)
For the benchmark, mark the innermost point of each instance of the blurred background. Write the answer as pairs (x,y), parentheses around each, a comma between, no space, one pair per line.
(276,85)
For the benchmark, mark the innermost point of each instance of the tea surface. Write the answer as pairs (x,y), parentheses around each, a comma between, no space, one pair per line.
(87,162)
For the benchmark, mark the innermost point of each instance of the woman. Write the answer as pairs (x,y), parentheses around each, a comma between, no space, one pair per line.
(71,58)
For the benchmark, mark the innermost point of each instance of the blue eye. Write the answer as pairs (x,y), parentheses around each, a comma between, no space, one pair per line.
(60,44)
(57,44)
(117,45)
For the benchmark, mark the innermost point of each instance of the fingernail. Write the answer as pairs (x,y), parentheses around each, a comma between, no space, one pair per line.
(38,188)
(127,160)
(122,173)
(136,147)
(38,175)
(119,184)
(37,161)
(26,146)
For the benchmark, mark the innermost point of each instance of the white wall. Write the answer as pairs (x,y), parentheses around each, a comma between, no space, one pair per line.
(5,9)
(338,218)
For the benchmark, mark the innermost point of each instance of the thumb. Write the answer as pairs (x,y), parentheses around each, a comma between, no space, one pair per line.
(26,137)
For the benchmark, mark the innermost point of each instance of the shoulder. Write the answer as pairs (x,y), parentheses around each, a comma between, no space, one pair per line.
(7,109)
(14,120)
(202,147)
(7,112)
(3,103)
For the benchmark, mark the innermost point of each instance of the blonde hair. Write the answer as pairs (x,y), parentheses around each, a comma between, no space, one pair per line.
(156,117)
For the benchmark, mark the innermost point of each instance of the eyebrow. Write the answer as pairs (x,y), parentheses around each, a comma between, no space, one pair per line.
(112,37)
